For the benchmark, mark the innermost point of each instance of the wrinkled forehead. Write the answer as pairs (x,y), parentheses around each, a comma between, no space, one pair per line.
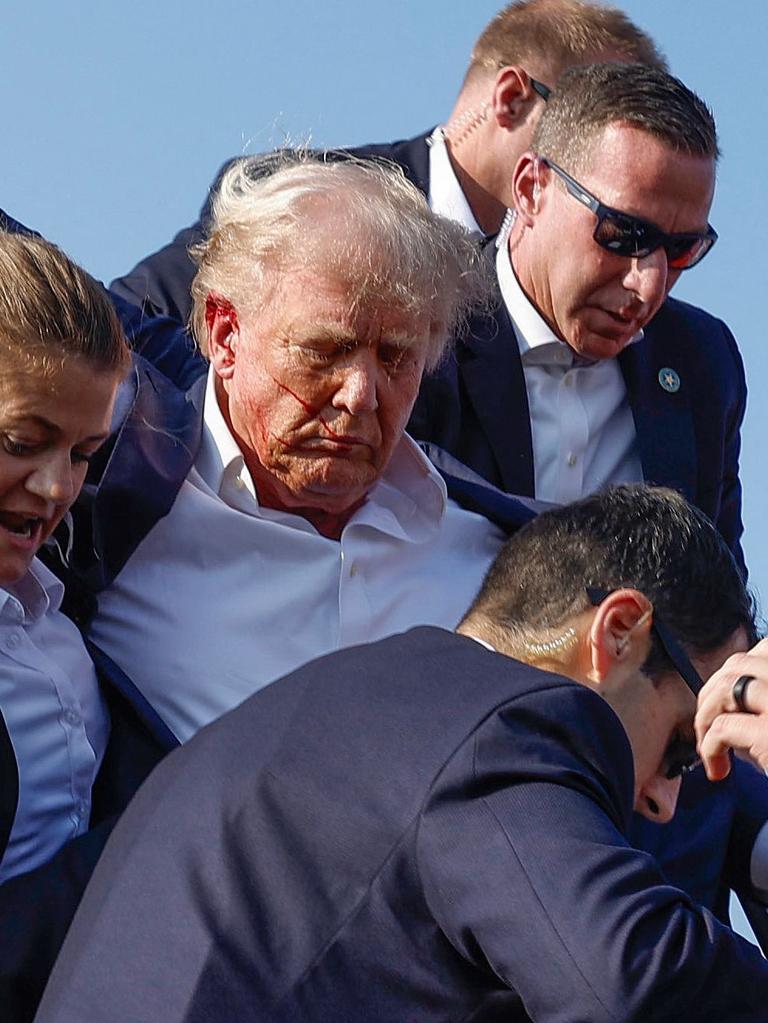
(310,302)
(367,279)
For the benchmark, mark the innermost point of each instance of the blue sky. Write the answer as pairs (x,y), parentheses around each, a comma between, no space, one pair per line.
(117,116)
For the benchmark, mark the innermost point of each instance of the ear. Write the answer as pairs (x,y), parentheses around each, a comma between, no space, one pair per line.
(512,94)
(528,179)
(223,327)
(620,632)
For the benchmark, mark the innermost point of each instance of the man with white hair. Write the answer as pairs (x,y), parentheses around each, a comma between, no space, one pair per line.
(278,511)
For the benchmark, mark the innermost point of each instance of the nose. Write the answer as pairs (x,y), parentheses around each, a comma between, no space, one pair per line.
(657,799)
(648,278)
(356,392)
(53,480)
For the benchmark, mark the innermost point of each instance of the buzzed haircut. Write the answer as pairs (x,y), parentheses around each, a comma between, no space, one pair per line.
(638,536)
(51,308)
(564,32)
(589,98)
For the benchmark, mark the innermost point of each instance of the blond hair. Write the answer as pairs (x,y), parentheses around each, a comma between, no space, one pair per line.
(563,32)
(51,308)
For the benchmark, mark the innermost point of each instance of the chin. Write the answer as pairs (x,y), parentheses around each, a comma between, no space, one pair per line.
(596,346)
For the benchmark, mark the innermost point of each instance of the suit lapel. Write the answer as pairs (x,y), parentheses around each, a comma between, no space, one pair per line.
(492,373)
(153,452)
(663,418)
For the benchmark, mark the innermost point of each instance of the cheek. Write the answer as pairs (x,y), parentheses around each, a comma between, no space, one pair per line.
(649,744)
(262,407)
(11,473)
(396,400)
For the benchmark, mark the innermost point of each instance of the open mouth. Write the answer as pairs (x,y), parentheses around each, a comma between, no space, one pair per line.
(26,529)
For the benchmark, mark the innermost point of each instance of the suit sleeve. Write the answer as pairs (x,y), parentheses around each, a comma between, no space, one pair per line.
(528,874)
(162,341)
(728,519)
(159,284)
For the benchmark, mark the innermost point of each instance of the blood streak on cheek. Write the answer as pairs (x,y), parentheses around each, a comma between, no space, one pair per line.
(309,409)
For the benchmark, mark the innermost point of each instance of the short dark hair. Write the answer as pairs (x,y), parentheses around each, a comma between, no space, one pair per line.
(589,98)
(50,307)
(565,32)
(647,538)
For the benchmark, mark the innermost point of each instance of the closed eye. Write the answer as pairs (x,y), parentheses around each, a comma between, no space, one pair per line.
(17,448)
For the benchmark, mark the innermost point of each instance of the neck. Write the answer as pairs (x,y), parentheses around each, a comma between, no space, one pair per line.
(328,524)
(466,142)
(487,210)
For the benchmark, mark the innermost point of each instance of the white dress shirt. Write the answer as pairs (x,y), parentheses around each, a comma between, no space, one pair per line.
(582,428)
(55,716)
(224,596)
(446,196)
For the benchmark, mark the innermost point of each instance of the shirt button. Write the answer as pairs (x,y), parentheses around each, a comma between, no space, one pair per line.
(572,459)
(13,641)
(568,379)
(82,809)
(239,482)
(353,570)
(71,717)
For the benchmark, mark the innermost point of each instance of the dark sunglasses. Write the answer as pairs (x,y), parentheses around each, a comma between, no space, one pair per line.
(625,235)
(681,756)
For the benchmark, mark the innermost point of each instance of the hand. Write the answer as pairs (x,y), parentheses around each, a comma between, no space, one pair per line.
(721,726)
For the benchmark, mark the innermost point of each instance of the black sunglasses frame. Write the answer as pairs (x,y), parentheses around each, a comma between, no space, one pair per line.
(689,759)
(540,89)
(635,229)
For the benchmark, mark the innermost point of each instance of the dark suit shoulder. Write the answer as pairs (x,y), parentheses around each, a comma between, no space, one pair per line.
(704,341)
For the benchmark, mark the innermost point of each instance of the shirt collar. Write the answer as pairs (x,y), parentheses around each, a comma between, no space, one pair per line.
(409,500)
(220,461)
(531,329)
(33,596)
(446,196)
(482,642)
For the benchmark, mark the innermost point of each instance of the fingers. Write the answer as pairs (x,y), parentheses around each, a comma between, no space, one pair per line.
(746,732)
(722,725)
(717,695)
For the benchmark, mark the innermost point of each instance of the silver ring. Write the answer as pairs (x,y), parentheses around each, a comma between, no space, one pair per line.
(739,692)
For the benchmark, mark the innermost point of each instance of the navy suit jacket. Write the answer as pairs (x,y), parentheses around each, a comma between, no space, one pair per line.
(417,829)
(476,406)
